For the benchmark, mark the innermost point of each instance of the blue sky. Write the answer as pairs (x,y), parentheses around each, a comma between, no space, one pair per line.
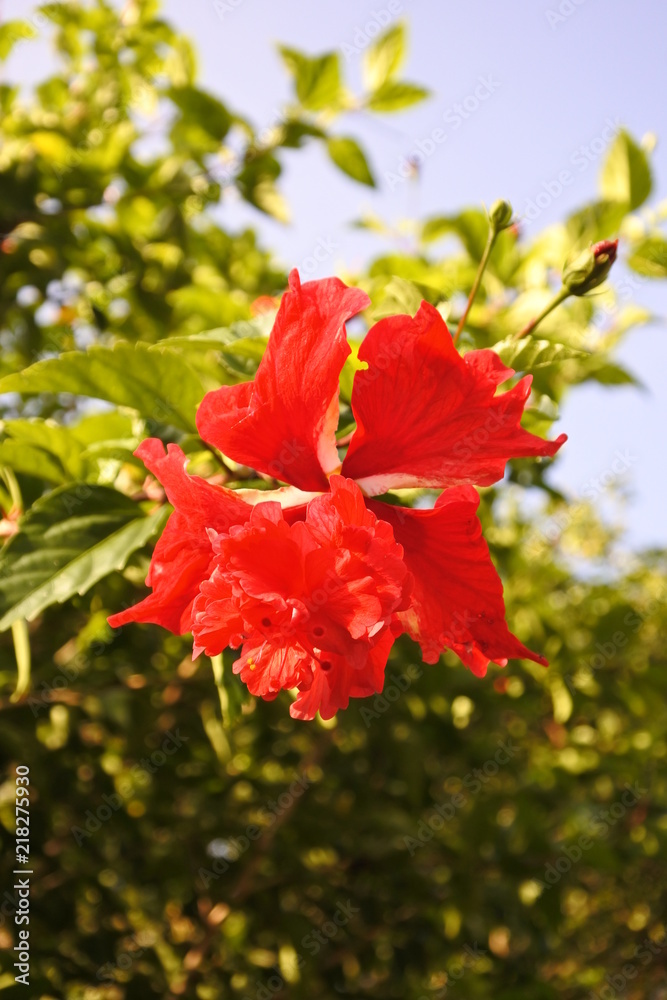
(558,77)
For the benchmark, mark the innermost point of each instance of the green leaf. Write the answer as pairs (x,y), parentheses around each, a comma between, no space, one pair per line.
(384,58)
(626,175)
(598,221)
(203,110)
(42,448)
(159,385)
(240,346)
(395,96)
(317,81)
(233,695)
(349,157)
(256,182)
(609,373)
(471,226)
(400,296)
(650,257)
(140,216)
(67,541)
(226,336)
(12,32)
(350,368)
(526,354)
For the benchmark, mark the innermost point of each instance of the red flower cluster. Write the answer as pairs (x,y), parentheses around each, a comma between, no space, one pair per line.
(314,581)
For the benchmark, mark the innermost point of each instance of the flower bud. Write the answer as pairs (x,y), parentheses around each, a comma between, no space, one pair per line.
(589,268)
(500,215)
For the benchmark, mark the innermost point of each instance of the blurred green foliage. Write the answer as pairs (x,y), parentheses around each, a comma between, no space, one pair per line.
(502,837)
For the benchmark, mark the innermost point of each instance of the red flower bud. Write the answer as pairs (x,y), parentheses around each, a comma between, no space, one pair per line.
(590,268)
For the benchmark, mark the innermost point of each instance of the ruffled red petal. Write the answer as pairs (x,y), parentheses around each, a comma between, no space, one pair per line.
(183,555)
(426,416)
(313,603)
(331,690)
(457,598)
(283,423)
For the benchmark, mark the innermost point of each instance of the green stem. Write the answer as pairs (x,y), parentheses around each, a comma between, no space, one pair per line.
(555,302)
(491,239)
(12,485)
(219,676)
(22,652)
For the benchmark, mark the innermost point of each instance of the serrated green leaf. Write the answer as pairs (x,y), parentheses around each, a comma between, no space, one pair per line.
(157,384)
(317,80)
(384,58)
(229,354)
(67,541)
(395,96)
(526,354)
(224,336)
(349,157)
(626,174)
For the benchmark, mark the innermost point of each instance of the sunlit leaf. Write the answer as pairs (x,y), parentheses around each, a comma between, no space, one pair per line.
(396,96)
(317,80)
(526,354)
(348,155)
(626,174)
(158,385)
(384,58)
(67,541)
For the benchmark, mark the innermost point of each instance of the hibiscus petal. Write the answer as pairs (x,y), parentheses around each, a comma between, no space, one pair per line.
(180,561)
(268,669)
(283,424)
(457,598)
(427,416)
(184,554)
(332,689)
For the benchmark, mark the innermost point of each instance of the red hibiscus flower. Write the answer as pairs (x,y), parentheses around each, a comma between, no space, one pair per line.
(244,568)
(312,603)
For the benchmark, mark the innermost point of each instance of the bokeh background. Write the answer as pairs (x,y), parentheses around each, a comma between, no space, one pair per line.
(160,170)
